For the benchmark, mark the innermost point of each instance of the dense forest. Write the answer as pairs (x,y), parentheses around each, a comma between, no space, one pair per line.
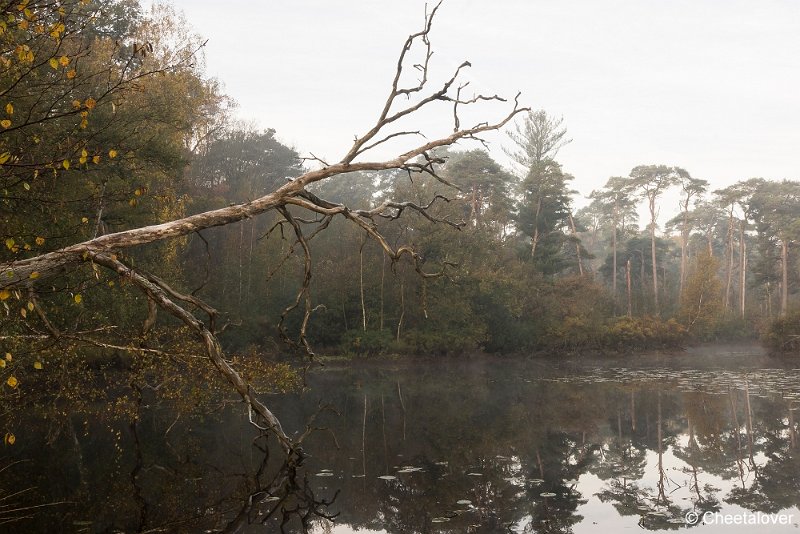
(111,124)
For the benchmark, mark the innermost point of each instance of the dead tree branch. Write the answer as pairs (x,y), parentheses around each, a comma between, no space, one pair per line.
(30,273)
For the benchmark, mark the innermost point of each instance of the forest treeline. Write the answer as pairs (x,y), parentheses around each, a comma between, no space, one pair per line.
(110,123)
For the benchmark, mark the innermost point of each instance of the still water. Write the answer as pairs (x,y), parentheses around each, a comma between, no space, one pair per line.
(487,445)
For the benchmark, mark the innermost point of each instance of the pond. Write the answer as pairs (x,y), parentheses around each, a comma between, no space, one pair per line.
(482,445)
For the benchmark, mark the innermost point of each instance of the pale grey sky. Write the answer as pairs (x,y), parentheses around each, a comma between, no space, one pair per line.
(708,85)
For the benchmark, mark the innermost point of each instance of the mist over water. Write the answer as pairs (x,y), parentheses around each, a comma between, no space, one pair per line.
(487,445)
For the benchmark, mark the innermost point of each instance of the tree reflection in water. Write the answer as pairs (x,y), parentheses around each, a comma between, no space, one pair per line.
(476,447)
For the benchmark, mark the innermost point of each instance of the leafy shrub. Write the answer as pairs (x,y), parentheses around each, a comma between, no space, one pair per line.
(644,333)
(367,343)
(782,335)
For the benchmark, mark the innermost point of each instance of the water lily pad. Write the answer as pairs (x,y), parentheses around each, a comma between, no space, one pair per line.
(387,477)
(324,474)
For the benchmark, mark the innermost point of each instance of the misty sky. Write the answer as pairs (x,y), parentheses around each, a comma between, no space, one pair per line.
(708,85)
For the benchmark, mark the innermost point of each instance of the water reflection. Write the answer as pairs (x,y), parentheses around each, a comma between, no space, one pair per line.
(490,446)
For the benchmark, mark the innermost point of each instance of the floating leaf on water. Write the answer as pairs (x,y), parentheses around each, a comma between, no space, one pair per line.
(464,502)
(440,520)
(536,481)
(387,477)
(359,476)
(474,474)
(547,494)
(325,474)
(272,499)
(643,508)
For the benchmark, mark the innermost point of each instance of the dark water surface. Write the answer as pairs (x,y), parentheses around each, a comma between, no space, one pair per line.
(488,445)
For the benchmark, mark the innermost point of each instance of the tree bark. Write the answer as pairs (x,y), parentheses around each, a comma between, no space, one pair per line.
(361,282)
(729,274)
(784,275)
(742,270)
(628,281)
(653,252)
(614,252)
(577,243)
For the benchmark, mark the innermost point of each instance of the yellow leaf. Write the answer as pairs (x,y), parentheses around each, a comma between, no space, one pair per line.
(8,356)
(64,61)
(27,246)
(10,243)
(95,159)
(132,202)
(84,220)
(138,192)
(4,294)
(24,313)
(9,108)
(4,157)
(84,153)
(34,275)
(37,365)
(78,298)
(10,438)
(23,24)
(65,164)
(5,123)
(90,103)
(84,124)
(12,381)
(53,62)
(110,283)
(30,306)
(76,104)
(82,160)
(112,153)
(40,241)
(26,185)
(71,74)
(2,363)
